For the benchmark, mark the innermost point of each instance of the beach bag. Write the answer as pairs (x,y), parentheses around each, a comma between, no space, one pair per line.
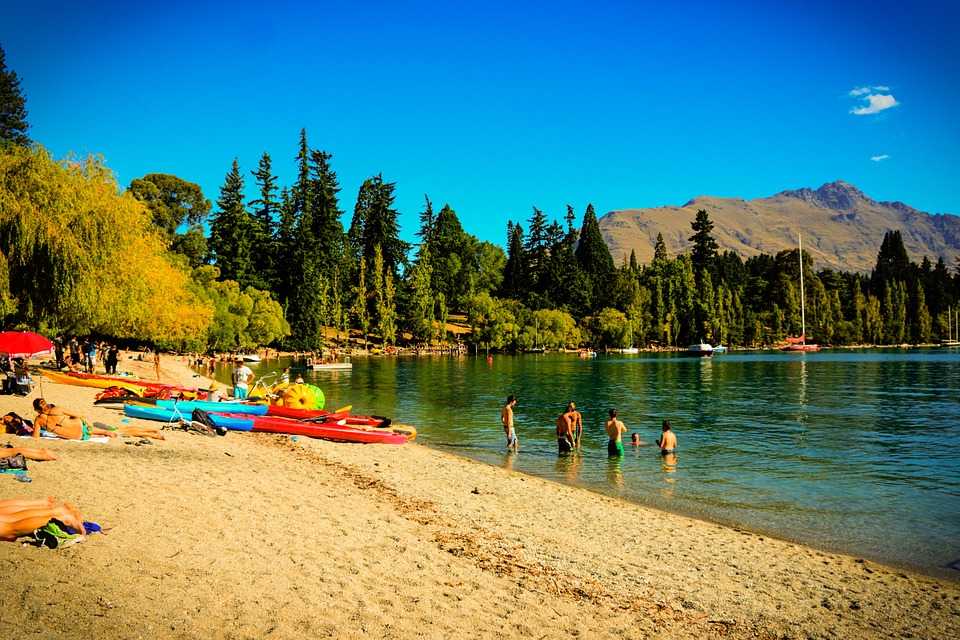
(13,462)
(201,421)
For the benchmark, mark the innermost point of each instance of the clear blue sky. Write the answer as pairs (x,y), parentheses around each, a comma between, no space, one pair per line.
(497,107)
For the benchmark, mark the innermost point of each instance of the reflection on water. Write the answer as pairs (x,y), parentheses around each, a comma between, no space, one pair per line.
(853,450)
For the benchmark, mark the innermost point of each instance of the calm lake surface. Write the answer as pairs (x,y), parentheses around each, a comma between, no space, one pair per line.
(857,451)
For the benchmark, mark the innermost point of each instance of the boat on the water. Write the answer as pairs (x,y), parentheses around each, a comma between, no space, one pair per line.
(719,349)
(701,349)
(250,357)
(630,350)
(799,344)
(951,326)
(330,366)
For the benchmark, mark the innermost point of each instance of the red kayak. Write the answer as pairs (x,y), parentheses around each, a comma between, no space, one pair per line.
(311,414)
(325,430)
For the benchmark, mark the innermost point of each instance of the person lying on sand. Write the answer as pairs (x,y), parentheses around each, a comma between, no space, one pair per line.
(21,517)
(37,455)
(70,426)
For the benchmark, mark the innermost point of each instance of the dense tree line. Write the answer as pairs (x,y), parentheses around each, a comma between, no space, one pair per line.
(77,255)
(705,295)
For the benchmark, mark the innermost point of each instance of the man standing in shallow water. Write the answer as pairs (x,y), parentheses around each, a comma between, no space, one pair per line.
(668,440)
(565,432)
(615,430)
(506,417)
(576,424)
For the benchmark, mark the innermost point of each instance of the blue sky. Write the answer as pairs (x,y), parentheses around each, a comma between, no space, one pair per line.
(498,107)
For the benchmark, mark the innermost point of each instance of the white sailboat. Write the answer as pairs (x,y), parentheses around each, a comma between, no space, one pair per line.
(951,326)
(799,344)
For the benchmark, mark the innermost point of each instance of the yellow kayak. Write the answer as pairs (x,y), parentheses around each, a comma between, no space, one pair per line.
(96,383)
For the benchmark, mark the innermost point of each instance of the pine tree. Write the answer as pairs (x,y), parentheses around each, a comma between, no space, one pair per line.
(634,265)
(536,250)
(892,262)
(327,229)
(382,228)
(426,221)
(286,248)
(594,258)
(704,246)
(660,257)
(515,273)
(231,233)
(13,107)
(266,210)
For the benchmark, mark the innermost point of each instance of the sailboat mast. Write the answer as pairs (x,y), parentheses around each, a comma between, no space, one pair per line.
(803,315)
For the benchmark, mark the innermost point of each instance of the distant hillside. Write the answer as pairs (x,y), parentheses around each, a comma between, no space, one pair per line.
(842,228)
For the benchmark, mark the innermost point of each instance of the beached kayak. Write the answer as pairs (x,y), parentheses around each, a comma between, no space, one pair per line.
(96,383)
(221,407)
(325,430)
(162,414)
(326,416)
(131,380)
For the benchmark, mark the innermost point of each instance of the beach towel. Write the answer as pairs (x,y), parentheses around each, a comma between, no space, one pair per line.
(46,435)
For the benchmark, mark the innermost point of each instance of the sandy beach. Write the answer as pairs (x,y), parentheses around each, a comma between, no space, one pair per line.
(254,536)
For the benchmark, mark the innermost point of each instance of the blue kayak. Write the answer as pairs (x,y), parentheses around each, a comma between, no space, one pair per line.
(163,414)
(187,406)
(234,423)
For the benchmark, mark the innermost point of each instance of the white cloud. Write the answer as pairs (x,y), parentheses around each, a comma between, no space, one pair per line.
(880,158)
(859,91)
(875,104)
(881,88)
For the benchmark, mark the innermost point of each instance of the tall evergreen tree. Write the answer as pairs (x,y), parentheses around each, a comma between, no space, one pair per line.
(286,248)
(266,211)
(892,262)
(594,257)
(13,106)
(426,221)
(536,248)
(381,226)
(327,229)
(515,278)
(704,246)
(231,233)
(660,256)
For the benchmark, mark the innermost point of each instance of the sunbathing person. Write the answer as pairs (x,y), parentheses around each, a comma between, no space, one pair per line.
(37,455)
(22,517)
(70,426)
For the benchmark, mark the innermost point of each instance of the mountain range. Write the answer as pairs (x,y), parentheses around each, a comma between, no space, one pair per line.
(842,227)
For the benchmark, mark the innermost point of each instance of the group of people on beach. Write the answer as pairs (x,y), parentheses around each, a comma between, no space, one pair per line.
(569,430)
(77,355)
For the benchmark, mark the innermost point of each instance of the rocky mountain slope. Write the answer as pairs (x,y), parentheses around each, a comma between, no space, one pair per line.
(842,227)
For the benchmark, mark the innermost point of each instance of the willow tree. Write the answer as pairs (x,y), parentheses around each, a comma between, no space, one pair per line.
(82,258)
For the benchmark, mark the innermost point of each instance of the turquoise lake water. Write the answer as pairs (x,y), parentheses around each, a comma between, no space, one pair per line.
(855,451)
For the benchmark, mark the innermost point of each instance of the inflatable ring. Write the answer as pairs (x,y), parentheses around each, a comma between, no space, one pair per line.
(300,396)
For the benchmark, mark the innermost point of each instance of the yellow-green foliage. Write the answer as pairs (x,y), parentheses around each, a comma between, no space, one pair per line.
(83,258)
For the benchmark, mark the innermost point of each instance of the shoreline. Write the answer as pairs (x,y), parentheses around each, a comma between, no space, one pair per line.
(941,573)
(251,535)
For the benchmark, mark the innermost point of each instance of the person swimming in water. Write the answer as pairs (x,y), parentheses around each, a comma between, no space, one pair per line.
(615,430)
(668,440)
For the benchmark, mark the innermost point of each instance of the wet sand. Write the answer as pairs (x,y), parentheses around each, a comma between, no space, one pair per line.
(253,536)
